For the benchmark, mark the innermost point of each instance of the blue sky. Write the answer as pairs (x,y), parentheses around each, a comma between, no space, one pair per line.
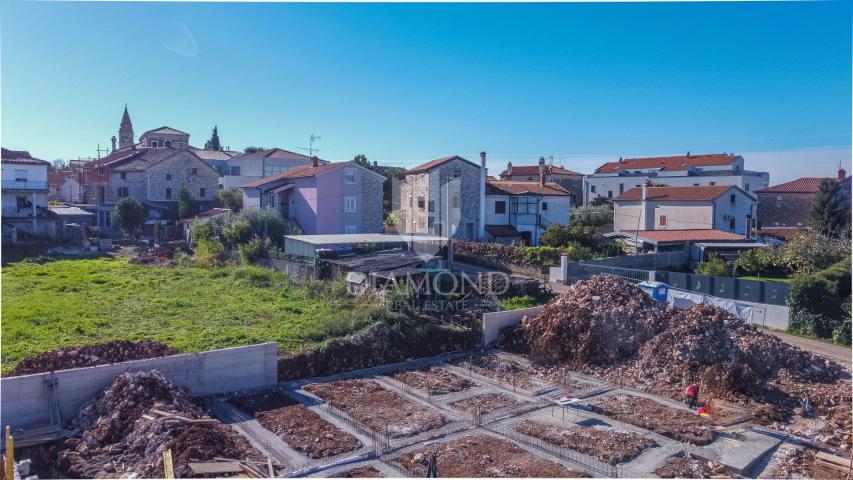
(405,83)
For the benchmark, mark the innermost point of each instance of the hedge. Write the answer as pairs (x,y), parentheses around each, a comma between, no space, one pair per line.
(817,303)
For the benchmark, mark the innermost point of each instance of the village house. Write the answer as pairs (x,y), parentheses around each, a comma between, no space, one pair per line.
(614,178)
(329,198)
(784,209)
(445,191)
(519,211)
(25,190)
(569,180)
(241,169)
(721,207)
(63,185)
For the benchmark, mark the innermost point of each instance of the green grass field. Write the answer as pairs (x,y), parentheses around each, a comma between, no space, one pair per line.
(74,302)
(768,279)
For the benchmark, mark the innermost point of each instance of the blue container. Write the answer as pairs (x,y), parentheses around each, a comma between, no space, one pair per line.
(657,290)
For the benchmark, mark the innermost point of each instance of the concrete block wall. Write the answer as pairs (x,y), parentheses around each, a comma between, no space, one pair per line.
(493,322)
(24,400)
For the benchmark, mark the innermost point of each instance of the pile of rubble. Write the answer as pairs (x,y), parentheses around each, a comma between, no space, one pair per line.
(124,430)
(157,255)
(606,327)
(689,467)
(91,355)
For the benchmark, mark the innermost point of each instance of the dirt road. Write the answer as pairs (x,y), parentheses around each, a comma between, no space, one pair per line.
(835,352)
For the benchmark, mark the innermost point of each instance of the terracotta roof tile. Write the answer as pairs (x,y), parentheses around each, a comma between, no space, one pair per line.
(534,170)
(503,231)
(679,162)
(296,172)
(685,235)
(515,187)
(20,157)
(800,185)
(783,233)
(701,193)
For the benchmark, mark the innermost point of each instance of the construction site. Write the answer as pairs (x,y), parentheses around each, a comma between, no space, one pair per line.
(592,386)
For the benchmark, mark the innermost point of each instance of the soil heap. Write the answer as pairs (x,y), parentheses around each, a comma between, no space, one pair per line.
(120,437)
(91,355)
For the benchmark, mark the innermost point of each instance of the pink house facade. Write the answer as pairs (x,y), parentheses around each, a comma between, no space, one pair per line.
(322,199)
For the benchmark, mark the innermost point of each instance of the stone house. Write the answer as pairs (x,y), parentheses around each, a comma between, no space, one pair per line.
(783,209)
(330,198)
(567,179)
(164,137)
(445,191)
(521,211)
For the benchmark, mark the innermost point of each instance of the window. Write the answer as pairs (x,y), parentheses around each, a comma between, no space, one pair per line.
(530,179)
(421,203)
(20,175)
(235,171)
(168,177)
(123,175)
(746,187)
(100,170)
(621,188)
(500,206)
(350,229)
(695,184)
(662,221)
(270,170)
(732,223)
(411,202)
(349,204)
(168,143)
(122,192)
(431,206)
(349,175)
(168,194)
(592,188)
(732,198)
(610,194)
(195,171)
(201,192)
(524,205)
(712,183)
(454,201)
(457,174)
(430,223)
(180,144)
(153,144)
(544,206)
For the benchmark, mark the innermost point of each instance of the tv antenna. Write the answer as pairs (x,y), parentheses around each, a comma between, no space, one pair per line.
(311,150)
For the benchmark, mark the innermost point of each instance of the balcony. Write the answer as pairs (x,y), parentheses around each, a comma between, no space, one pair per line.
(24,185)
(14,211)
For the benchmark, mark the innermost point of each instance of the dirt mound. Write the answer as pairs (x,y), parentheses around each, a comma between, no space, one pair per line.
(91,355)
(154,256)
(601,321)
(121,436)
(686,467)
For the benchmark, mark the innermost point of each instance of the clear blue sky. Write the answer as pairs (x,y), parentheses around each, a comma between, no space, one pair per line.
(407,83)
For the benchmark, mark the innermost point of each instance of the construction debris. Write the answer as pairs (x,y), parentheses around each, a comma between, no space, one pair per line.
(437,381)
(360,472)
(483,456)
(125,429)
(607,445)
(500,369)
(674,423)
(91,355)
(377,408)
(485,403)
(689,467)
(158,255)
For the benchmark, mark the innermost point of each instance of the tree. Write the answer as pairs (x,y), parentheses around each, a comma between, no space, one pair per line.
(186,206)
(830,212)
(231,198)
(361,160)
(557,235)
(129,215)
(253,149)
(714,266)
(213,143)
(809,251)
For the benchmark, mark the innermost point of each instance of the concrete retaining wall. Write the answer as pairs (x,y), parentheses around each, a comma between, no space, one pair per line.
(493,322)
(25,399)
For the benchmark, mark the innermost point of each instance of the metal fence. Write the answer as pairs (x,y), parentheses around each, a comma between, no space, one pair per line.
(755,291)
(580,271)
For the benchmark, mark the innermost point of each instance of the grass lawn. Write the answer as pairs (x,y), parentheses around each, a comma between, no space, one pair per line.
(768,279)
(74,302)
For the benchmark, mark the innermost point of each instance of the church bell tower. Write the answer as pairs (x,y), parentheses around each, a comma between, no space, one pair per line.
(125,131)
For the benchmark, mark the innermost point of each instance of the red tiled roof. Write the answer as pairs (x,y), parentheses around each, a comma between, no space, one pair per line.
(800,185)
(21,157)
(685,235)
(679,162)
(701,193)
(296,172)
(55,178)
(503,231)
(515,187)
(534,170)
(438,161)
(783,233)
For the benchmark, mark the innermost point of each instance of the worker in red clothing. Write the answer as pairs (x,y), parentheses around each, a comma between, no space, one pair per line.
(692,395)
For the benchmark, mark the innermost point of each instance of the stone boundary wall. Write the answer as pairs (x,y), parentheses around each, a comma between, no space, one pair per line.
(25,400)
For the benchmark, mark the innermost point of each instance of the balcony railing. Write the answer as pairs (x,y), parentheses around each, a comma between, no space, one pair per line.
(14,211)
(24,185)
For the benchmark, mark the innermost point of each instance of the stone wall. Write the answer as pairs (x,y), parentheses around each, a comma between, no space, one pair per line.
(784,209)
(372,211)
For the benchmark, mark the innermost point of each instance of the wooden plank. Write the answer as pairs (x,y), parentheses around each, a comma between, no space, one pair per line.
(831,466)
(269,466)
(828,457)
(167,464)
(215,467)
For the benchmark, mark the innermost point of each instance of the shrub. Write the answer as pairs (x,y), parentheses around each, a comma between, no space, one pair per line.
(232,198)
(515,303)
(809,252)
(842,332)
(760,261)
(238,232)
(209,253)
(187,207)
(576,251)
(561,235)
(265,223)
(129,215)
(540,256)
(817,301)
(714,266)
(593,215)
(250,252)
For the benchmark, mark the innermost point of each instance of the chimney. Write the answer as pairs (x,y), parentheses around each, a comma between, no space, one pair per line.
(375,164)
(542,171)
(620,160)
(114,143)
(508,169)
(314,162)
(645,208)
(842,174)
(482,195)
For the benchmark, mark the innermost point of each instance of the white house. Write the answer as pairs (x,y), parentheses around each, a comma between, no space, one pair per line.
(614,178)
(242,169)
(522,210)
(721,207)
(24,192)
